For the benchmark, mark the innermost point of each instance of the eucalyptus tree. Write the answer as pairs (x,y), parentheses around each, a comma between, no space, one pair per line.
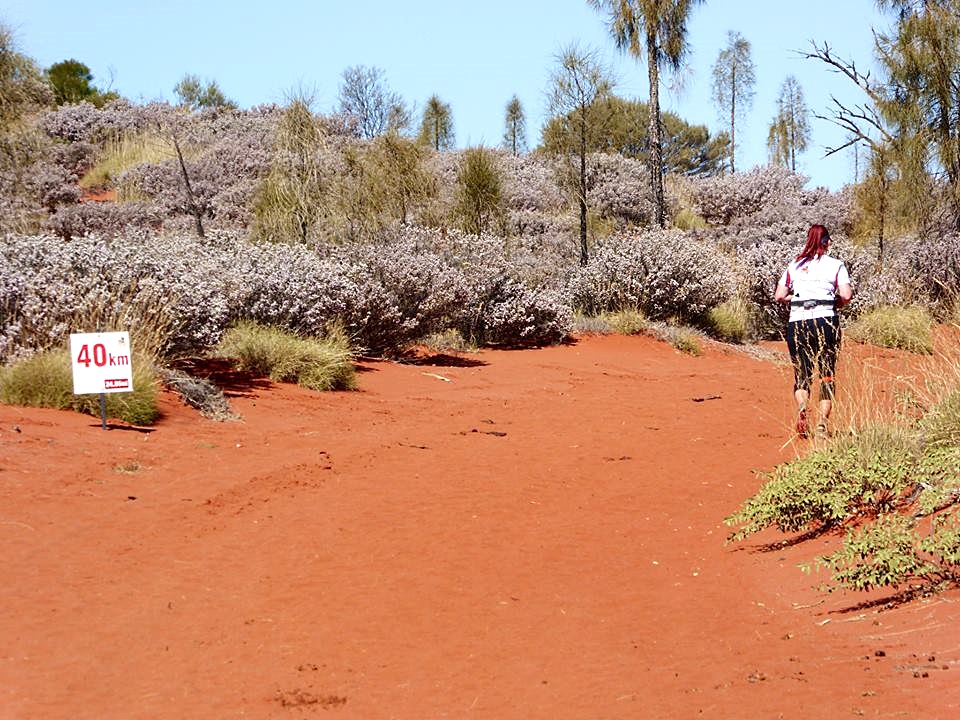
(578,86)
(366,97)
(734,84)
(790,130)
(656,30)
(515,127)
(436,126)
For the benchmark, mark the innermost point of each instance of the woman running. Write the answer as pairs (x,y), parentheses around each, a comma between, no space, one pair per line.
(816,285)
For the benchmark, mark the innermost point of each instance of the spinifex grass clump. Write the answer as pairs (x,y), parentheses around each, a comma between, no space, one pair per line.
(907,328)
(46,380)
(730,320)
(315,363)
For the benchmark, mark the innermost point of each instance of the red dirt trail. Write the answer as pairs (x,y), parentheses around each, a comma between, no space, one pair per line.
(509,534)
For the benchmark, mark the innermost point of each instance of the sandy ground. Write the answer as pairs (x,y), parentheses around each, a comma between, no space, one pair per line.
(525,534)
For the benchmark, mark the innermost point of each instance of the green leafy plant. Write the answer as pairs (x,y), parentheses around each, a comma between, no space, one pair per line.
(315,363)
(46,380)
(862,475)
(892,552)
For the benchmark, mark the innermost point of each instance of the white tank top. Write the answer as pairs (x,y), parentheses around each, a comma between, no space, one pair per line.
(813,284)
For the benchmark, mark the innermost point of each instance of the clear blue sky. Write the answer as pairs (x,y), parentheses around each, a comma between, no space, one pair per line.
(474,55)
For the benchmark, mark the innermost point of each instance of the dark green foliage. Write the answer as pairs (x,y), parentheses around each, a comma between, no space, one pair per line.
(72,82)
(867,474)
(620,126)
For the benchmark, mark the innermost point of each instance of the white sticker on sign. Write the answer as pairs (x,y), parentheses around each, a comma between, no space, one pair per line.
(101,363)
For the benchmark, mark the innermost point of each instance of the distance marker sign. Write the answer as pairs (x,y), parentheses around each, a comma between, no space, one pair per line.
(101,363)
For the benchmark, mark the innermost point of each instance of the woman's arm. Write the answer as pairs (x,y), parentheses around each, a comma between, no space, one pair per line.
(782,293)
(844,294)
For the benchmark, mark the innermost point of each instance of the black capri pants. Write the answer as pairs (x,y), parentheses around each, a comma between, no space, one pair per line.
(814,343)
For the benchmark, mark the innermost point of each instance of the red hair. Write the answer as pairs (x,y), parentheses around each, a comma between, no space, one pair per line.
(817,240)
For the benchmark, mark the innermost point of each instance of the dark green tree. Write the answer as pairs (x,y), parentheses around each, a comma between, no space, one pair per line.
(72,82)
(515,127)
(656,30)
(790,130)
(578,87)
(733,85)
(436,126)
(621,127)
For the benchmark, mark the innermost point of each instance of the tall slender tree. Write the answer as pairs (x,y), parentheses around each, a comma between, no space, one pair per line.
(515,127)
(657,30)
(733,85)
(790,130)
(578,87)
(436,127)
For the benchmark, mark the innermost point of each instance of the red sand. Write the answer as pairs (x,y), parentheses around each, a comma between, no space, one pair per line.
(527,534)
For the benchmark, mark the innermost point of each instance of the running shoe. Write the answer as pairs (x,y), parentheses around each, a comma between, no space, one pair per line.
(802,423)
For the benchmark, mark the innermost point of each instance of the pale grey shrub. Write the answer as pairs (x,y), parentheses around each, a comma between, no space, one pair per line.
(664,274)
(722,199)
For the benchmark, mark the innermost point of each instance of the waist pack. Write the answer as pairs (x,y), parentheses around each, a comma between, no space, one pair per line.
(811,304)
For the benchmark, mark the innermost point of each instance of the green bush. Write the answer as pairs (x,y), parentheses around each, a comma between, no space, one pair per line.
(867,473)
(907,328)
(46,380)
(730,321)
(314,363)
(891,552)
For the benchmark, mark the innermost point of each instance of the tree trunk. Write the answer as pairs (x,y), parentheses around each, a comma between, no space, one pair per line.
(191,204)
(656,145)
(733,121)
(583,188)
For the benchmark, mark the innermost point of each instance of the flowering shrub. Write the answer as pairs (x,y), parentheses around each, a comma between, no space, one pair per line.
(722,199)
(664,274)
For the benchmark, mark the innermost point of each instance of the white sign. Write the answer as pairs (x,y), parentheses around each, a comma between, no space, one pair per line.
(101,363)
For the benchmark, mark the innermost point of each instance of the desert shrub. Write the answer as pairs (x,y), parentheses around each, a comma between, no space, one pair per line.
(315,363)
(864,474)
(619,188)
(508,312)
(177,288)
(46,380)
(105,219)
(908,328)
(590,325)
(449,340)
(722,199)
(664,274)
(892,552)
